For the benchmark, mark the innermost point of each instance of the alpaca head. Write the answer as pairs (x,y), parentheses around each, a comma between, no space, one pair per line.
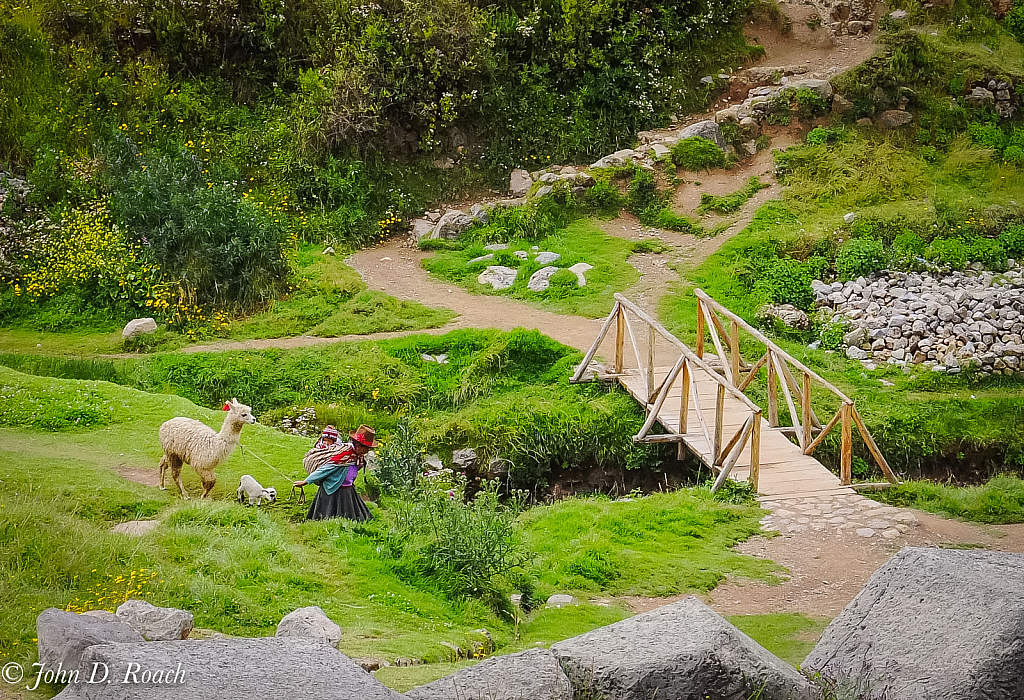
(239,412)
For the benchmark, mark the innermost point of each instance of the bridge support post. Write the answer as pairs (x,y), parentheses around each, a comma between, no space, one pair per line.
(846,452)
(755,451)
(620,338)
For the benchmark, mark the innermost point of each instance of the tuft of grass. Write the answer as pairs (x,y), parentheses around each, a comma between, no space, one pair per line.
(790,636)
(1000,500)
(730,202)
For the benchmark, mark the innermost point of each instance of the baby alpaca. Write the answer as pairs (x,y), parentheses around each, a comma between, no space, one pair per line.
(187,440)
(256,492)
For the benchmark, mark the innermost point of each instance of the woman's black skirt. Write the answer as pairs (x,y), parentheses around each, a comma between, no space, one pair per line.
(343,503)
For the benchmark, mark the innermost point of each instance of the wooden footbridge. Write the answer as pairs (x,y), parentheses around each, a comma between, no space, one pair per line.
(704,402)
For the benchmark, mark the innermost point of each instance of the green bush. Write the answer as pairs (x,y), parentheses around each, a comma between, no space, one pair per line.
(949,252)
(985,250)
(1012,240)
(831,336)
(1014,20)
(786,281)
(809,104)
(643,191)
(603,199)
(906,249)
(823,135)
(860,256)
(1014,155)
(665,218)
(398,459)
(696,153)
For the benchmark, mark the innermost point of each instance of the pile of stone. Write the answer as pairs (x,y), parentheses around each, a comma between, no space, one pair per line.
(943,321)
(301,422)
(995,93)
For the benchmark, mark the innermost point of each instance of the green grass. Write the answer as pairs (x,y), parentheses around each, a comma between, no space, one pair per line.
(790,636)
(663,544)
(730,202)
(998,501)
(581,241)
(239,570)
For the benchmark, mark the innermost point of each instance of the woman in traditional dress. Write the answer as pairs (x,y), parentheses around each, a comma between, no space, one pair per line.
(337,497)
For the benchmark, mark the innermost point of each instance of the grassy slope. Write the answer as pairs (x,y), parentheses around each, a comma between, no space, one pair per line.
(238,569)
(922,414)
(1000,500)
(582,241)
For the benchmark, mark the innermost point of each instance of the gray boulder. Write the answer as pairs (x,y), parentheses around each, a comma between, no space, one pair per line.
(464,459)
(841,105)
(541,279)
(855,353)
(822,88)
(452,224)
(528,675)
(498,276)
(980,97)
(580,270)
(224,669)
(546,258)
(153,623)
(707,130)
(519,182)
(64,636)
(790,316)
(683,651)
(935,624)
(310,622)
(421,228)
(895,118)
(139,326)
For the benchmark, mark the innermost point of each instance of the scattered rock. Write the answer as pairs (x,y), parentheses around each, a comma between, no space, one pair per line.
(544,191)
(529,675)
(559,600)
(707,129)
(494,247)
(464,459)
(371,663)
(423,228)
(310,622)
(137,327)
(980,97)
(498,276)
(329,250)
(64,636)
(855,353)
(226,669)
(841,105)
(156,624)
(453,223)
(898,14)
(850,217)
(541,279)
(822,88)
(519,182)
(885,641)
(788,314)
(580,270)
(680,650)
(480,258)
(546,258)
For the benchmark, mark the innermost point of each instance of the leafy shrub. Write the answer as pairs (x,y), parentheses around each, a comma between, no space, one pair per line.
(860,256)
(398,459)
(786,281)
(665,218)
(1012,240)
(823,135)
(809,104)
(466,548)
(950,252)
(1014,155)
(1014,20)
(221,246)
(604,199)
(985,250)
(730,202)
(696,153)
(643,191)
(831,336)
(906,249)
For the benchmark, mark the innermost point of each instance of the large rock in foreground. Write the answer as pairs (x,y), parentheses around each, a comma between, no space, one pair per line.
(682,651)
(935,624)
(64,636)
(225,669)
(528,675)
(156,624)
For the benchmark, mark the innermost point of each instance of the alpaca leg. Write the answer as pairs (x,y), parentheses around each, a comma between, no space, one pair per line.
(208,483)
(176,473)
(164,464)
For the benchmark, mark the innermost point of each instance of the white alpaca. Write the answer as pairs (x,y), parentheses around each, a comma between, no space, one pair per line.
(254,489)
(188,441)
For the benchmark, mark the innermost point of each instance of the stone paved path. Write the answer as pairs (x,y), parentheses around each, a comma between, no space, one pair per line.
(843,515)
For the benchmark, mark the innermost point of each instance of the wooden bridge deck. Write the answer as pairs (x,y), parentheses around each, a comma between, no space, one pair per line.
(784,470)
(722,426)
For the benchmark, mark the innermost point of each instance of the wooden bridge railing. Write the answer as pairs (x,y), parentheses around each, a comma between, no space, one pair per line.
(724,452)
(780,367)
